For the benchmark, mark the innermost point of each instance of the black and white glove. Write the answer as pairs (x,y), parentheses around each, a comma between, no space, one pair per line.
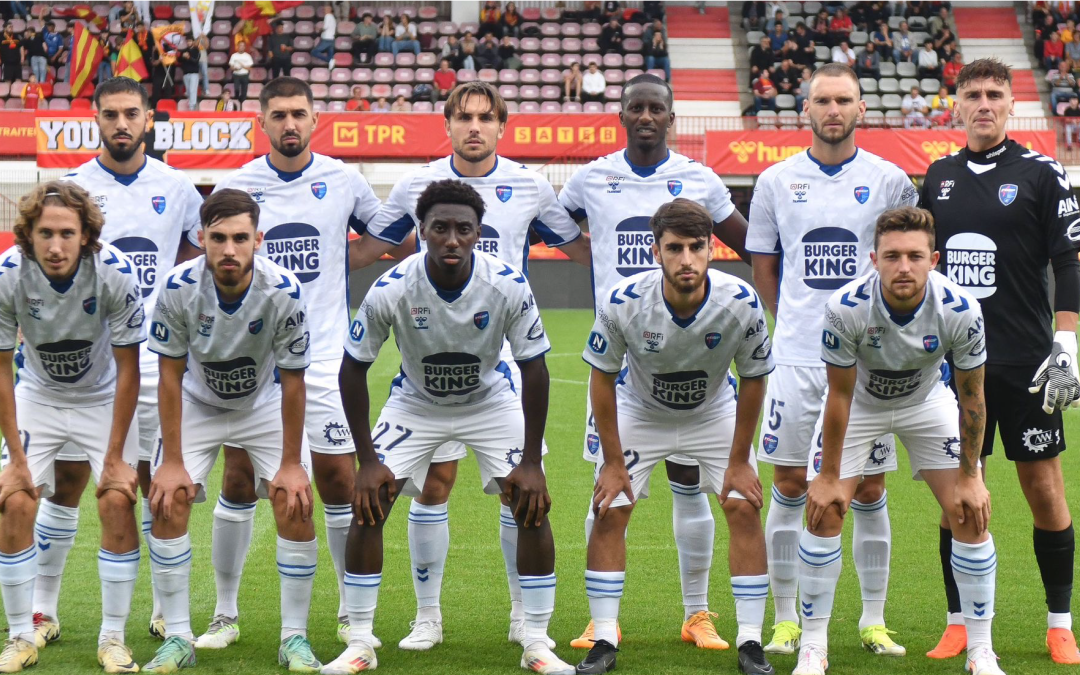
(1057,376)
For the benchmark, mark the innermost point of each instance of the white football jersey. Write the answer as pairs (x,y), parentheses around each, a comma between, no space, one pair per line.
(516,199)
(820,219)
(305,219)
(899,357)
(678,367)
(450,342)
(69,330)
(619,198)
(232,349)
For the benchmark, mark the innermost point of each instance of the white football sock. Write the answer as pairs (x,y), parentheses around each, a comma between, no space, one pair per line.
(871,547)
(429,542)
(750,593)
(54,530)
(147,522)
(508,538)
(170,562)
(233,525)
(296,562)
(118,572)
(17,573)
(694,526)
(783,527)
(975,570)
(604,590)
(338,519)
(1059,620)
(361,598)
(538,603)
(820,561)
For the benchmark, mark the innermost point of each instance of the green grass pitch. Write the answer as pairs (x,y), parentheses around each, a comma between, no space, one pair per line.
(475,602)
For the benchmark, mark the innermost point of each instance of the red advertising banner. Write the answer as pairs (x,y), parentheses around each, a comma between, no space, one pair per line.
(749,152)
(17,134)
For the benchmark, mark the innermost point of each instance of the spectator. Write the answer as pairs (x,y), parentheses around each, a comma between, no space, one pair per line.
(468,51)
(941,108)
(54,46)
(1062,83)
(33,94)
(129,16)
(1069,32)
(280,51)
(777,38)
(386,34)
(572,82)
(882,39)
(938,21)
(452,51)
(1071,126)
(189,66)
(491,19)
(11,56)
(380,105)
(786,78)
(108,56)
(508,54)
(751,16)
(1053,51)
(915,109)
(844,54)
(947,52)
(805,53)
(593,85)
(511,20)
(203,45)
(405,37)
(944,37)
(803,90)
(761,58)
(401,105)
(357,103)
(612,10)
(951,71)
(445,79)
(488,53)
(226,102)
(903,46)
(1042,35)
(656,54)
(929,61)
(819,29)
(764,93)
(840,27)
(778,18)
(240,64)
(1072,49)
(869,63)
(341,10)
(611,38)
(653,10)
(324,51)
(656,26)
(146,45)
(68,37)
(34,44)
(365,39)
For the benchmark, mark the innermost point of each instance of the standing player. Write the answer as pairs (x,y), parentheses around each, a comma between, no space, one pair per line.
(151,214)
(674,396)
(1002,214)
(72,297)
(812,224)
(517,201)
(307,205)
(227,327)
(452,387)
(618,194)
(885,338)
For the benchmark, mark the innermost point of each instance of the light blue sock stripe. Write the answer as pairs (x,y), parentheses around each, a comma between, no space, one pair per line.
(18,558)
(363,580)
(118,557)
(603,593)
(429,521)
(297,576)
(337,508)
(296,567)
(788,502)
(235,506)
(597,580)
(171,562)
(819,562)
(874,506)
(54,532)
(687,490)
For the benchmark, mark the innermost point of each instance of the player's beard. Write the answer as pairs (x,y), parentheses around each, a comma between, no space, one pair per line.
(294,151)
(473,154)
(121,155)
(232,276)
(818,129)
(680,286)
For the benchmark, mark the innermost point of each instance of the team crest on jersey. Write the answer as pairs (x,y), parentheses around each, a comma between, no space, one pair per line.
(769,443)
(504,192)
(318,189)
(613,183)
(930,343)
(674,187)
(480,319)
(158,203)
(1007,193)
(592,442)
(712,339)
(862,193)
(89,305)
(255,326)
(257,194)
(817,462)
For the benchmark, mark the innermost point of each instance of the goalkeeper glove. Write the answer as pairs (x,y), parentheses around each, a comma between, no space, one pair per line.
(1057,375)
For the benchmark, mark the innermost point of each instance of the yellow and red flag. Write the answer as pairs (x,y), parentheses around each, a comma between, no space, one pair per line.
(257,15)
(129,62)
(83,12)
(86,55)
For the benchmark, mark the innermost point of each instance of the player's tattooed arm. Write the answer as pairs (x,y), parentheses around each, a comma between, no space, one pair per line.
(972,418)
(16,474)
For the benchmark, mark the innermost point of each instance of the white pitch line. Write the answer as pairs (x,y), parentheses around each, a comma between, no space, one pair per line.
(556,379)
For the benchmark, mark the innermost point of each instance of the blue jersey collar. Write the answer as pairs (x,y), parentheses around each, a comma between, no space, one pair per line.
(460,175)
(685,323)
(289,176)
(645,171)
(124,179)
(832,169)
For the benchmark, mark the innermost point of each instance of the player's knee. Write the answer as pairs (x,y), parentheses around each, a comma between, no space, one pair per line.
(871,489)
(71,479)
(20,507)
(740,511)
(238,485)
(790,484)
(113,504)
(437,485)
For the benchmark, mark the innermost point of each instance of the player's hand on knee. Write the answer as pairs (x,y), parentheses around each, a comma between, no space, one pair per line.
(824,493)
(612,481)
(533,501)
(370,478)
(118,475)
(742,479)
(971,496)
(294,482)
(16,478)
(171,481)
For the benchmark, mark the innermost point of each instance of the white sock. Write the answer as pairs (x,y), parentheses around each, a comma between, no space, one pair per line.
(871,547)
(54,530)
(233,525)
(820,561)
(538,603)
(118,572)
(429,542)
(1059,620)
(508,537)
(783,527)
(338,519)
(170,562)
(17,573)
(296,566)
(694,526)
(975,570)
(604,590)
(750,593)
(361,598)
(147,522)
(956,619)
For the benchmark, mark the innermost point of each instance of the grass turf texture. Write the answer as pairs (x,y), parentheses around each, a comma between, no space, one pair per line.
(476,606)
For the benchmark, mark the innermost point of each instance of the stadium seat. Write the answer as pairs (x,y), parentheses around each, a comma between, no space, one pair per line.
(341,75)
(591,58)
(529,76)
(220,27)
(335,106)
(590,44)
(220,43)
(530,13)
(916,23)
(365,89)
(550,29)
(301,59)
(571,29)
(489,75)
(858,38)
(614,107)
(427,13)
(62,89)
(530,44)
(571,107)
(633,30)
(508,92)
(405,60)
(551,76)
(766,118)
(63,104)
(471,27)
(166,104)
(384,75)
(550,45)
(223,11)
(361,75)
(345,28)
(423,107)
(163,11)
(306,11)
(894,118)
(508,76)
(789,119)
(404,75)
(929,85)
(402,90)
(340,91)
(633,45)
(448,28)
(888,85)
(207,105)
(873,101)
(551,107)
(551,92)
(380,91)
(511,106)
(439,106)
(874,118)
(811,8)
(591,29)
(523,107)
(344,44)
(217,59)
(255,88)
(550,13)
(301,73)
(895,20)
(612,92)
(530,60)
(182,12)
(252,105)
(529,92)
(613,61)
(614,76)
(868,85)
(424,75)
(259,74)
(465,75)
(822,53)
(81,104)
(633,61)
(571,44)
(216,74)
(384,59)
(906,83)
(631,73)
(888,69)
(427,60)
(304,28)
(407,10)
(785,102)
(753,37)
(569,59)
(551,61)
(592,107)
(13,104)
(891,101)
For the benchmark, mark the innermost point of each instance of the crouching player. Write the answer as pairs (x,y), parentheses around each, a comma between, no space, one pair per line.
(885,338)
(73,297)
(452,387)
(679,327)
(231,320)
